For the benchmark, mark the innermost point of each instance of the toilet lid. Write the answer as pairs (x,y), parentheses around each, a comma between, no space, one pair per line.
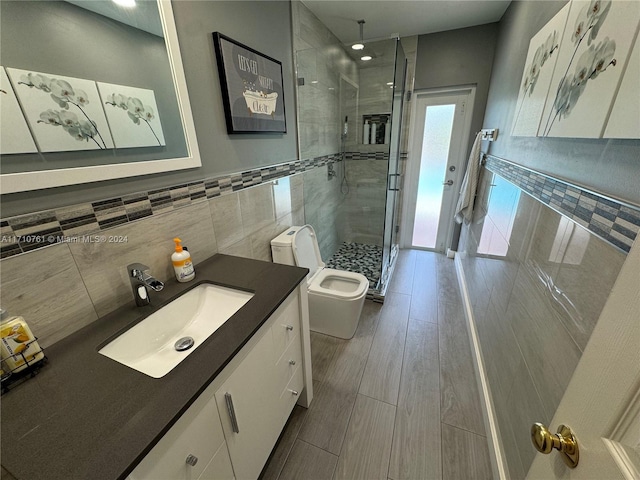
(306,251)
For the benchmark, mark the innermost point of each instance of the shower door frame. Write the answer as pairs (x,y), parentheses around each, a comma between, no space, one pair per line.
(393,197)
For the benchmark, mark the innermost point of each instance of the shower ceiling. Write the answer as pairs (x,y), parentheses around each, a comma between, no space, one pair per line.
(403,18)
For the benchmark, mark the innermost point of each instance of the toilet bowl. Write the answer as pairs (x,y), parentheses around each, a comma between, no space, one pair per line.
(336,297)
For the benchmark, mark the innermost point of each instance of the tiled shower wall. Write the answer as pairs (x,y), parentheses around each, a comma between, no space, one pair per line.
(321,62)
(363,212)
(62,287)
(537,281)
(323,207)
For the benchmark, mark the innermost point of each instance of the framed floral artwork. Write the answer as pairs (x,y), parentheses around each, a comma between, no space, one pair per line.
(64,113)
(15,136)
(591,62)
(252,88)
(536,78)
(624,121)
(133,116)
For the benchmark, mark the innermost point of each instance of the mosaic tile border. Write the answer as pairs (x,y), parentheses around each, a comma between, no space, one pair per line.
(25,233)
(612,220)
(366,155)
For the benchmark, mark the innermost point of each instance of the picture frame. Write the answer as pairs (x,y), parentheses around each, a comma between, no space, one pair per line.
(252,88)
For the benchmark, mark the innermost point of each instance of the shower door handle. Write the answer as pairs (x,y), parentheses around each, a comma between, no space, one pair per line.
(396,189)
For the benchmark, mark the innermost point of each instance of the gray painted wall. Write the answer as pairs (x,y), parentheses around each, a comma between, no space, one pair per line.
(458,57)
(611,167)
(250,22)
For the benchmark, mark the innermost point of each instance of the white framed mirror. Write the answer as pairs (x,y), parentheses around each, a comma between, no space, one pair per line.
(34,171)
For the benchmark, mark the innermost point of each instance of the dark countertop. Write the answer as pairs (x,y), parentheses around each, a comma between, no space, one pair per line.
(85,416)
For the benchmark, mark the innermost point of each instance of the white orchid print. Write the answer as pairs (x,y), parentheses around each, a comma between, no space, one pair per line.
(135,109)
(591,62)
(540,57)
(64,95)
(543,53)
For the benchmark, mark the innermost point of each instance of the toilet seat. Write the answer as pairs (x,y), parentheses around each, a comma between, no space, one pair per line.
(344,285)
(325,281)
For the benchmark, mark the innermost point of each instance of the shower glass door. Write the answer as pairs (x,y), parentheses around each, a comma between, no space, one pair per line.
(390,243)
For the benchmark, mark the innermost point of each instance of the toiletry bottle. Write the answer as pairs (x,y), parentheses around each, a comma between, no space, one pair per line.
(365,133)
(182,265)
(18,346)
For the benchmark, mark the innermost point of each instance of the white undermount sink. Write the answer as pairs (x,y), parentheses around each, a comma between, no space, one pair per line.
(150,346)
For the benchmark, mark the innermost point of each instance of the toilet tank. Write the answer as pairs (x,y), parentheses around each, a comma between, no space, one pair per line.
(281,249)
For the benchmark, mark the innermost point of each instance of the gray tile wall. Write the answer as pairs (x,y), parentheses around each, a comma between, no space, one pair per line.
(363,218)
(320,61)
(60,287)
(538,281)
(324,207)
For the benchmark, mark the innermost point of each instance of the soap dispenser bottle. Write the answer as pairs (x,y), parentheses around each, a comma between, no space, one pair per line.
(182,264)
(18,346)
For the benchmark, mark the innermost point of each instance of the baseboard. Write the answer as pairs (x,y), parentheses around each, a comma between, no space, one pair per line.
(498,461)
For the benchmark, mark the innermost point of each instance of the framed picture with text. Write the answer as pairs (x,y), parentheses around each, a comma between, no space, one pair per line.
(252,88)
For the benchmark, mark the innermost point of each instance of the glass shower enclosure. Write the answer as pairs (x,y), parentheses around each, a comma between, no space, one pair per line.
(349,124)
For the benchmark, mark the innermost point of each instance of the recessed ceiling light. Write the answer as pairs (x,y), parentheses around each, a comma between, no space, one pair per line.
(125,3)
(357,46)
(314,81)
(389,83)
(366,58)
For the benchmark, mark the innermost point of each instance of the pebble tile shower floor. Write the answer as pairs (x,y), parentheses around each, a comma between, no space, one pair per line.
(358,258)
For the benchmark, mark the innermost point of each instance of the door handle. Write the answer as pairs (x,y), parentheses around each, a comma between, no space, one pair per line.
(396,183)
(564,441)
(448,182)
(232,412)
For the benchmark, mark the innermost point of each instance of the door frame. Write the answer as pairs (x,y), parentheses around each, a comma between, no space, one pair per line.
(412,172)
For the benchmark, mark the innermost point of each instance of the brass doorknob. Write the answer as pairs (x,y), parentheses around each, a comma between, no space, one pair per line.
(564,441)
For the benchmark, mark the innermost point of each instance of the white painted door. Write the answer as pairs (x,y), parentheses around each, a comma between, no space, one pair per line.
(602,402)
(440,131)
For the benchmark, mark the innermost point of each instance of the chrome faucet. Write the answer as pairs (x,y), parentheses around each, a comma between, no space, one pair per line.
(140,279)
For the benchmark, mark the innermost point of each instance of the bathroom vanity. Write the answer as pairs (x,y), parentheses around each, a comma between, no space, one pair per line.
(217,414)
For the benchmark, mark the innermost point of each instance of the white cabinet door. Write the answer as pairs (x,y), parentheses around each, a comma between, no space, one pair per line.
(198,433)
(248,396)
(219,467)
(252,396)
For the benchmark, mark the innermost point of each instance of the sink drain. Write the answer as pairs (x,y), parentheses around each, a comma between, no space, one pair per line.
(185,343)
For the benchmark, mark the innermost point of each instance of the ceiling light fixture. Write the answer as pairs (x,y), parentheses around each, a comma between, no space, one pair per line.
(366,58)
(360,46)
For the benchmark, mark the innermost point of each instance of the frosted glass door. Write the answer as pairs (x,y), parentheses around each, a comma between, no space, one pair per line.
(438,146)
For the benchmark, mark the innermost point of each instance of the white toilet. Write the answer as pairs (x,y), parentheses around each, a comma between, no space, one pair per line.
(336,297)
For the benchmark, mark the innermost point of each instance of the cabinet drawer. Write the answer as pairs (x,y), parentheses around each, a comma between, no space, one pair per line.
(219,467)
(288,363)
(198,432)
(287,398)
(286,325)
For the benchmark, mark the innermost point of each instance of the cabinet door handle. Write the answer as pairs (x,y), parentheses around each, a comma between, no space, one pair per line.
(192,460)
(289,327)
(294,392)
(232,412)
(292,362)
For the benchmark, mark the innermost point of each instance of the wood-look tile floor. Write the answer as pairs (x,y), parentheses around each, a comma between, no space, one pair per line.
(399,400)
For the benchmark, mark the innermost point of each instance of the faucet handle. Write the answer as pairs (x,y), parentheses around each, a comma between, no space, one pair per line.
(136,270)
